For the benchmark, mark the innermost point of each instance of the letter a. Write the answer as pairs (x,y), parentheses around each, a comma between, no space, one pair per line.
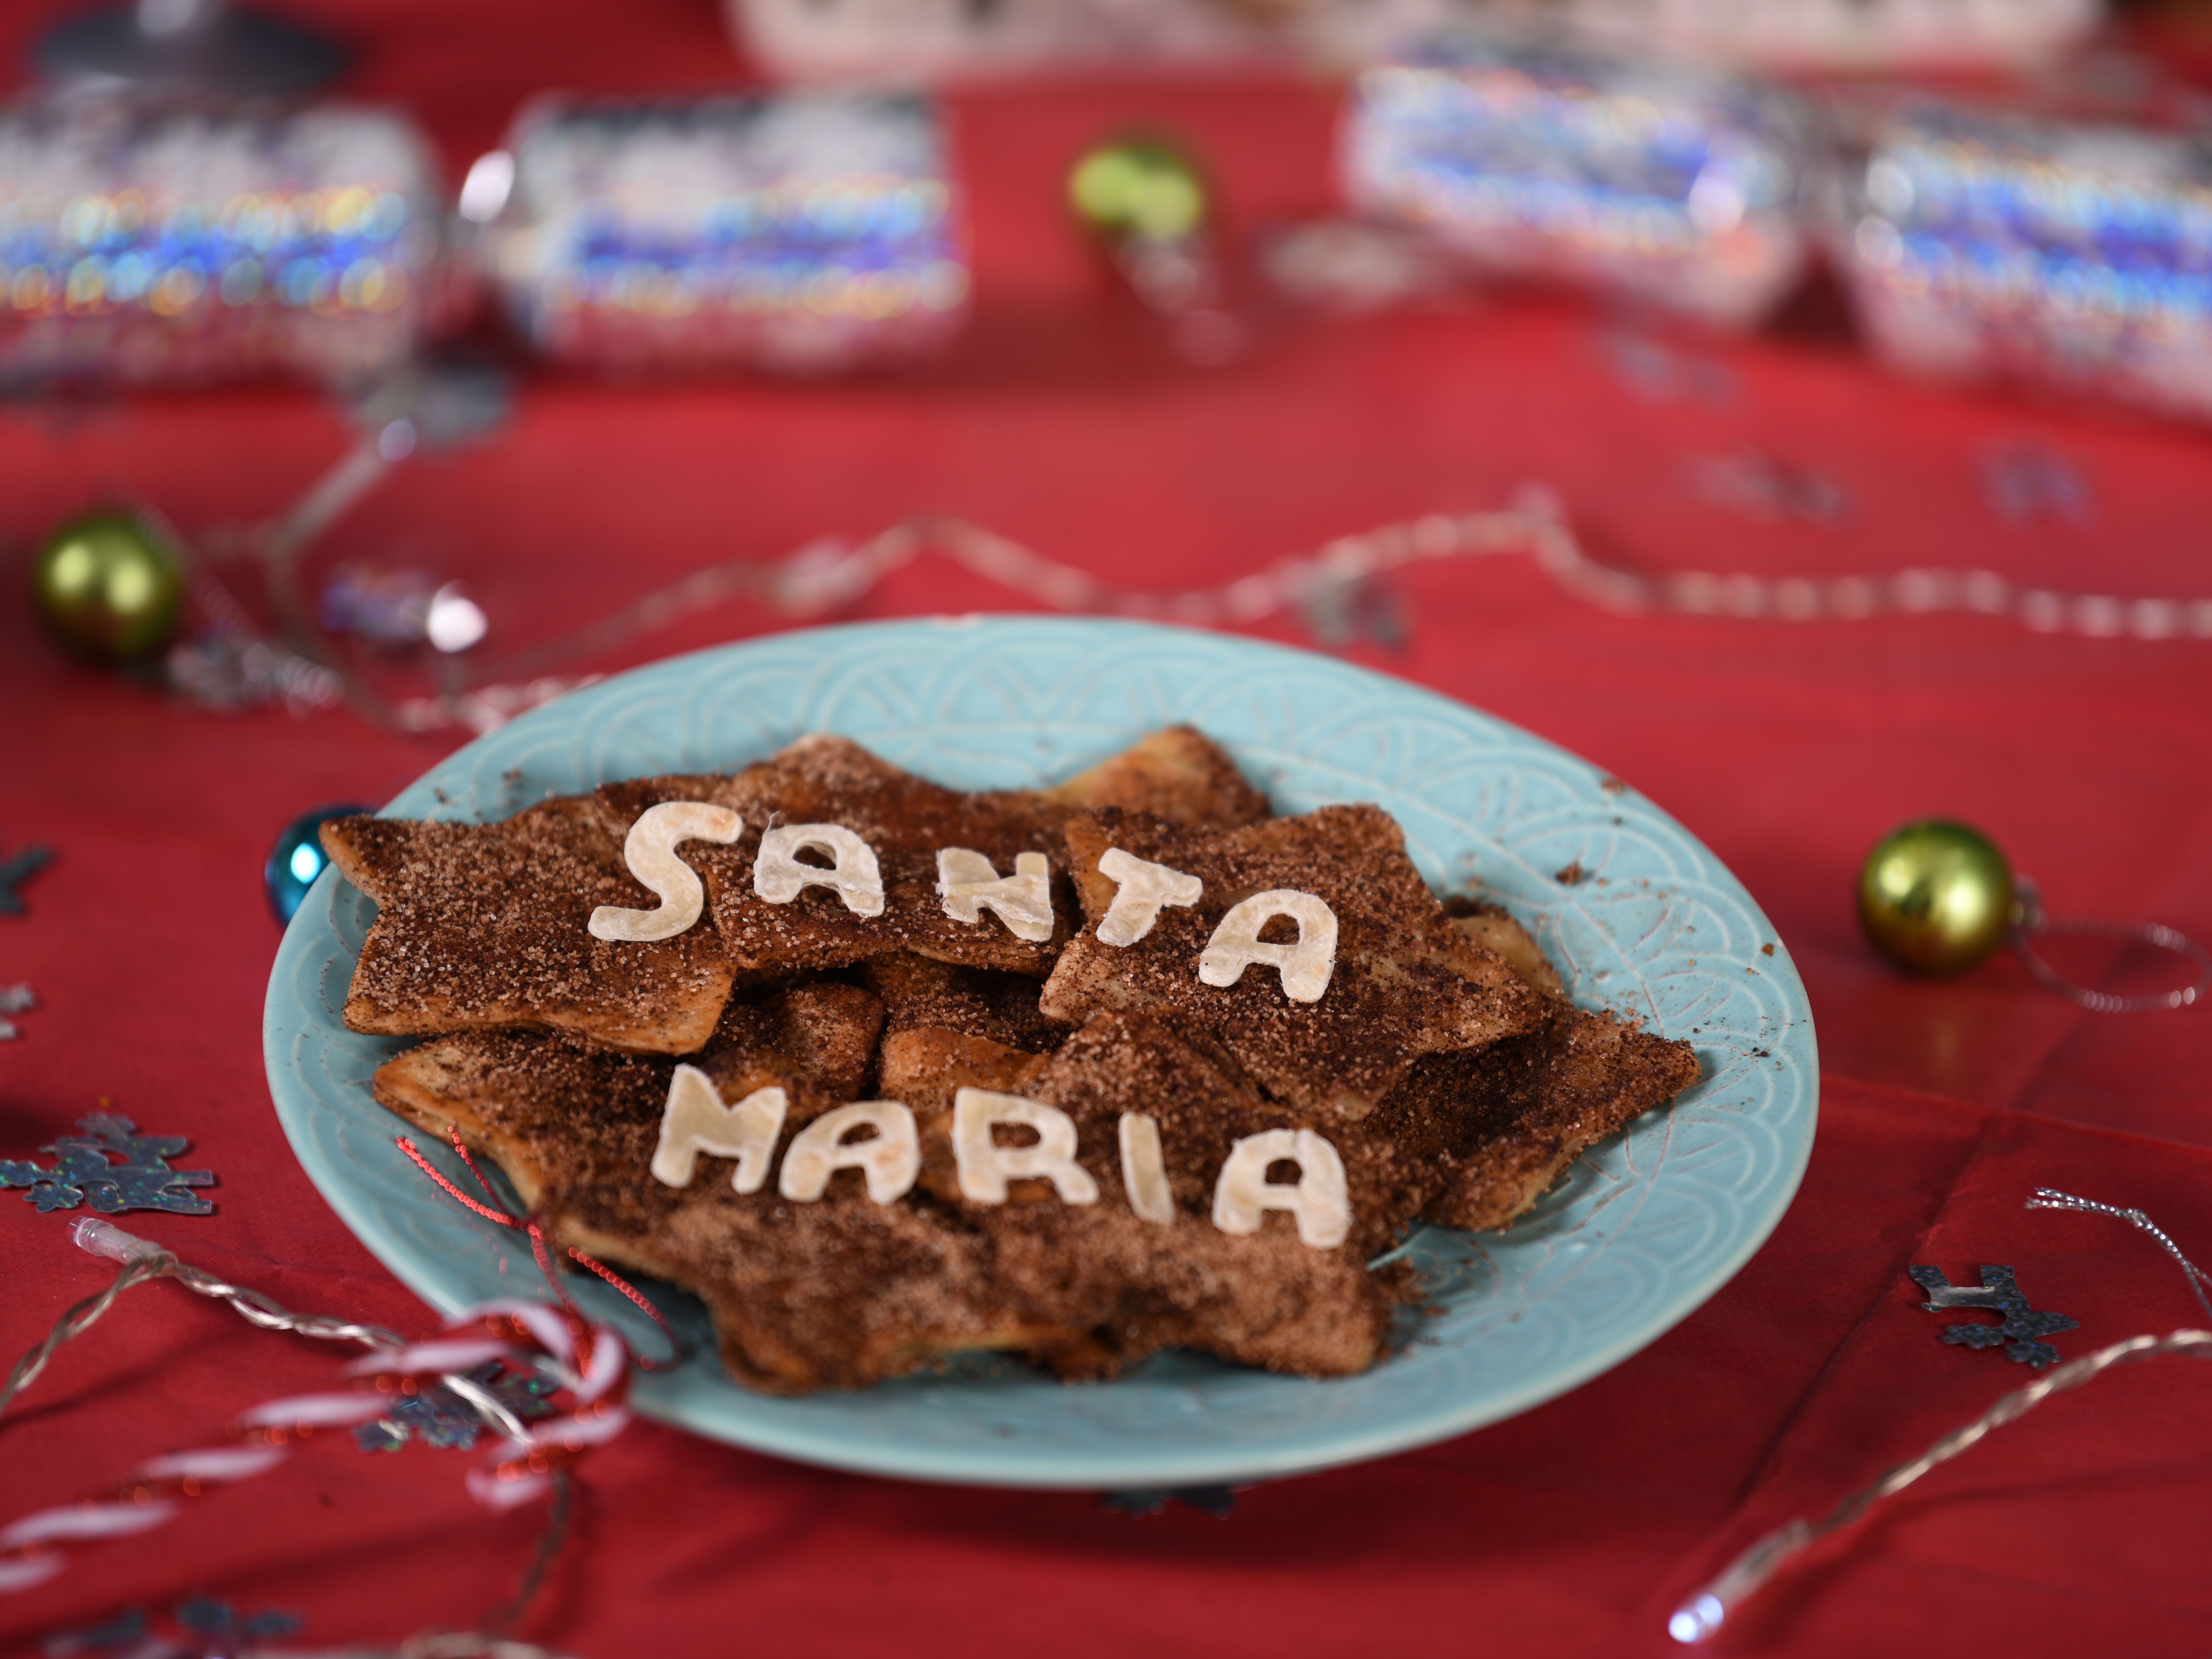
(1319,1198)
(1305,966)
(695,1120)
(649,850)
(890,1159)
(780,878)
(986,1167)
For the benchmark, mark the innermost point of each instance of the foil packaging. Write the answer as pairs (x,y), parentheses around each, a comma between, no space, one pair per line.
(800,232)
(1663,185)
(1982,247)
(183,244)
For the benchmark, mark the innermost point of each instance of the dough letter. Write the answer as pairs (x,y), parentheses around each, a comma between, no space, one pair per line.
(890,1159)
(1143,889)
(1318,1198)
(780,878)
(1022,901)
(649,850)
(1305,966)
(986,1167)
(695,1120)
(1143,1171)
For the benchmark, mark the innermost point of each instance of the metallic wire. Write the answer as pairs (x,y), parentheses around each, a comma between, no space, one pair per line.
(1698,1617)
(503,1619)
(823,577)
(76,1321)
(148,1261)
(2048,1198)
(2035,923)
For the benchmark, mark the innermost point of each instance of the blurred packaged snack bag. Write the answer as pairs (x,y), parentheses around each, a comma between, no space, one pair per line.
(1666,184)
(1846,34)
(918,42)
(179,243)
(801,233)
(1982,245)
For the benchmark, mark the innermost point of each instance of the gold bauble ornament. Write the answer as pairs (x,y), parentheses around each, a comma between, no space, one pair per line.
(1936,897)
(107,585)
(1138,187)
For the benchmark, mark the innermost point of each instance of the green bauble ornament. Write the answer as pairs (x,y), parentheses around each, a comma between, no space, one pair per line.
(1936,897)
(107,585)
(1138,187)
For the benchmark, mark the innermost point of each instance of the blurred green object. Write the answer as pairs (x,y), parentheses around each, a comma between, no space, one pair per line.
(1138,187)
(107,585)
(1936,897)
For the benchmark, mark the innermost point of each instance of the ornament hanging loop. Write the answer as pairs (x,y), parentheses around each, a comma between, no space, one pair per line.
(2030,921)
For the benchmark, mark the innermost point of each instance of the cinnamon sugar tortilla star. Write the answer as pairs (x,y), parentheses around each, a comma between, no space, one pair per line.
(1503,1125)
(483,925)
(1528,1106)
(1405,981)
(487,926)
(907,821)
(1177,773)
(837,1293)
(1129,1286)
(919,993)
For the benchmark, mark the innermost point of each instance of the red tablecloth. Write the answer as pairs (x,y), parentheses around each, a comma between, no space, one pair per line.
(1788,748)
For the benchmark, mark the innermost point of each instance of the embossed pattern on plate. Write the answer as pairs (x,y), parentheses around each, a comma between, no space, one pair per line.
(1644,1230)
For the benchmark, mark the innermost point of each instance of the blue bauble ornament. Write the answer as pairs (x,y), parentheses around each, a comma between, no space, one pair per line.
(298,858)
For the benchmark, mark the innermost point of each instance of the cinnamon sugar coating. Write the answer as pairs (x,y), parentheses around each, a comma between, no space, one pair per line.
(904,818)
(1124,1287)
(1494,928)
(1177,773)
(482,926)
(1503,1125)
(1530,1105)
(917,992)
(1407,982)
(838,1293)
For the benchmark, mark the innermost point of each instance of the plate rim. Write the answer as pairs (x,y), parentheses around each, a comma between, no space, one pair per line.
(804,1442)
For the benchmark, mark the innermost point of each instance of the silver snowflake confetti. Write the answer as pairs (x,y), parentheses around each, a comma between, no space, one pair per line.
(15,869)
(2000,1293)
(439,1417)
(205,1628)
(14,1000)
(82,1172)
(1146,1501)
(2026,483)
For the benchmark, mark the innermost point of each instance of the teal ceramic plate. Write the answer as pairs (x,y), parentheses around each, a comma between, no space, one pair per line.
(1644,1230)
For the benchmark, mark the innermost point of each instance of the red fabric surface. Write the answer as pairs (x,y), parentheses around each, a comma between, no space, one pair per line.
(1788,748)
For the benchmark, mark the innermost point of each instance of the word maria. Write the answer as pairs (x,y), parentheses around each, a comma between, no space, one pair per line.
(889,1157)
(967,884)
